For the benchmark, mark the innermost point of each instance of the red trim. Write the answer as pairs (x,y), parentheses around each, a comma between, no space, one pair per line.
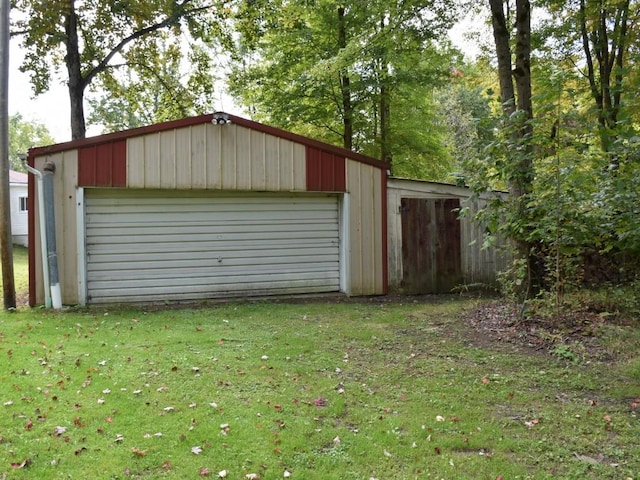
(31,247)
(385,235)
(326,172)
(185,122)
(103,165)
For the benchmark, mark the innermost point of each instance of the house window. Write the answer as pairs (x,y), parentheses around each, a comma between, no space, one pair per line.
(23,204)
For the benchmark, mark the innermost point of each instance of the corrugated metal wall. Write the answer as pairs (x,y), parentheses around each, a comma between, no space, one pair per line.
(366,231)
(216,157)
(65,181)
(146,245)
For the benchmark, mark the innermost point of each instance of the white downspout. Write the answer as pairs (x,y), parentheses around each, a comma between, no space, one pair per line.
(43,230)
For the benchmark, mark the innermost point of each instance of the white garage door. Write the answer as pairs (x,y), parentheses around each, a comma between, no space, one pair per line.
(156,246)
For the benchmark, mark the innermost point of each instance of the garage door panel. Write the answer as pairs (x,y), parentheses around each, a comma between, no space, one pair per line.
(205,293)
(186,259)
(209,246)
(203,270)
(228,280)
(241,231)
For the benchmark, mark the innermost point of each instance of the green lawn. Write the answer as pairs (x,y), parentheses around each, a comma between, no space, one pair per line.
(20,272)
(320,390)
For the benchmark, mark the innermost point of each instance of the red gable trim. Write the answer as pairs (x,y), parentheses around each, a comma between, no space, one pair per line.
(185,122)
(103,165)
(326,172)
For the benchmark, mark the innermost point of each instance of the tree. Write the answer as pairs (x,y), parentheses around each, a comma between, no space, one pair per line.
(359,75)
(596,39)
(155,86)
(515,93)
(87,39)
(23,135)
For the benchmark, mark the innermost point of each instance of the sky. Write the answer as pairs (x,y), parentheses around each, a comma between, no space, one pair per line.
(52,108)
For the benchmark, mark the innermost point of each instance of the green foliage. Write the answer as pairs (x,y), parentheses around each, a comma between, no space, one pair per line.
(153,85)
(311,68)
(23,135)
(85,42)
(580,217)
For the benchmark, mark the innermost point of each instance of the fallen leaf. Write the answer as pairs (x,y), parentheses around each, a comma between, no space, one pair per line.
(485,380)
(59,431)
(252,476)
(204,472)
(222,474)
(336,441)
(439,418)
(137,452)
(166,465)
(286,474)
(587,459)
(196,450)
(25,463)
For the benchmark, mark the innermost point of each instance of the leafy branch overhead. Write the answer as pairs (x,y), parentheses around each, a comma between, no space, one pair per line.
(81,42)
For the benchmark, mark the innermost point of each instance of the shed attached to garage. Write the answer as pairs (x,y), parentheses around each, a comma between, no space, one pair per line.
(432,249)
(209,207)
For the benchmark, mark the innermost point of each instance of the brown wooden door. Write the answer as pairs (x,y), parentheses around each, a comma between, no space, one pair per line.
(431,256)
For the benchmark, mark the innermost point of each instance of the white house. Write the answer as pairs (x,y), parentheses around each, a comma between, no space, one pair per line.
(19,207)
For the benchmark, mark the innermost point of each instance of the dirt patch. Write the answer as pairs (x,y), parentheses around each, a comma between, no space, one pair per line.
(571,335)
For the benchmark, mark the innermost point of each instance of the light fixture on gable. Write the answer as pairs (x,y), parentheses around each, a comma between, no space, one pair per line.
(220,118)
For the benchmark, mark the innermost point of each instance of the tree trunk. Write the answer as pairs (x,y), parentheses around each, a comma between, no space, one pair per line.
(385,117)
(6,240)
(76,81)
(517,107)
(523,175)
(502,38)
(345,87)
(385,105)
(605,43)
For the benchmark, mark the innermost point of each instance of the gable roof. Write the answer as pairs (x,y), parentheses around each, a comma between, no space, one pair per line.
(18,177)
(189,121)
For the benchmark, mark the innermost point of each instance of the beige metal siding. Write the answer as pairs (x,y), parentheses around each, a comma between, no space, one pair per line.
(156,245)
(215,157)
(65,180)
(364,184)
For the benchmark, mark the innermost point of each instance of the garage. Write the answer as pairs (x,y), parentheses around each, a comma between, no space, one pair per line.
(209,207)
(149,246)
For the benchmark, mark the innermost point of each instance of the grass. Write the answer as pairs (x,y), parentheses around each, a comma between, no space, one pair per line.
(317,390)
(21,270)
